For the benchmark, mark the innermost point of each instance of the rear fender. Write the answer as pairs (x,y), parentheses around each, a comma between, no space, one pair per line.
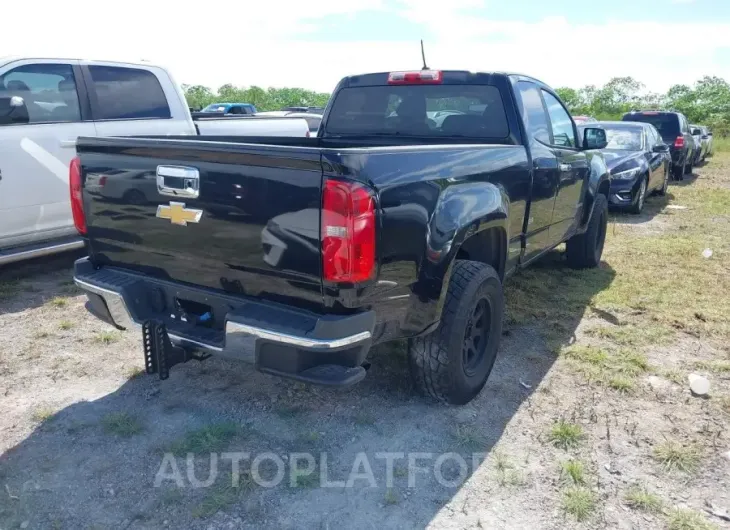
(463,213)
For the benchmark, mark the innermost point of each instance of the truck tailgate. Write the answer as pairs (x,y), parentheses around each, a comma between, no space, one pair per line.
(238,217)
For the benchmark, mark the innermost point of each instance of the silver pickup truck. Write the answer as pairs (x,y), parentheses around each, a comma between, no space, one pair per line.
(46,104)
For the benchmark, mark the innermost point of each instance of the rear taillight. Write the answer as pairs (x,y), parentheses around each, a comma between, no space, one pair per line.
(679,142)
(77,202)
(420,77)
(348,232)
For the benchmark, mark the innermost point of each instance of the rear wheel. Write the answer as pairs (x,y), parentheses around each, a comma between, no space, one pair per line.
(640,197)
(584,250)
(452,364)
(688,168)
(679,171)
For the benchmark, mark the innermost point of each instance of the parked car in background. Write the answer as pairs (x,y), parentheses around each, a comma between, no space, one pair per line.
(639,162)
(699,133)
(381,228)
(579,120)
(707,135)
(674,130)
(45,104)
(236,109)
(313,110)
(313,120)
(697,137)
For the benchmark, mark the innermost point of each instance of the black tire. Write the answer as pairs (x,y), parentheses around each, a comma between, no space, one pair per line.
(584,250)
(640,197)
(663,190)
(679,171)
(440,363)
(688,168)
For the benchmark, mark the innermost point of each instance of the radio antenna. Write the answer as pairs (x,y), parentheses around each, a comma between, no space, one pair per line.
(423,56)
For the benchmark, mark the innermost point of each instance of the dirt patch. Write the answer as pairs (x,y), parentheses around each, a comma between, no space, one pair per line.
(586,422)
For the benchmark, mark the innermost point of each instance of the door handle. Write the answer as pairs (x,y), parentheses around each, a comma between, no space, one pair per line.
(565,167)
(178,181)
(68,143)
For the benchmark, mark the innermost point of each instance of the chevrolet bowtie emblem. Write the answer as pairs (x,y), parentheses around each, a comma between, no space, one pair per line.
(178,214)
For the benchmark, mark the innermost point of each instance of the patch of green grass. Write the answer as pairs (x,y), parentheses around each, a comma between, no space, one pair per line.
(674,456)
(507,475)
(468,437)
(716,366)
(630,335)
(59,302)
(121,424)
(565,435)
(65,325)
(621,384)
(221,496)
(391,497)
(107,337)
(579,502)
(309,480)
(616,369)
(682,519)
(42,414)
(209,439)
(133,372)
(573,471)
(675,375)
(639,498)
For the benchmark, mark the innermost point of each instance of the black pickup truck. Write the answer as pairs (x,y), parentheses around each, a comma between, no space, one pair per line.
(423,191)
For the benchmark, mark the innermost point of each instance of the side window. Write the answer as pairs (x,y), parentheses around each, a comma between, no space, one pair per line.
(651,138)
(237,110)
(48,92)
(533,112)
(562,125)
(127,94)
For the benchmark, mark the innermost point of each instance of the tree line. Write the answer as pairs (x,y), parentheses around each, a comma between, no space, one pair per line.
(706,102)
(199,96)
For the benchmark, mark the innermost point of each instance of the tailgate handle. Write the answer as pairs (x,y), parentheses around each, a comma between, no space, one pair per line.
(178,181)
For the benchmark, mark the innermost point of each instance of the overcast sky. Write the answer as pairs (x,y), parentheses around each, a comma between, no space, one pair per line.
(312,44)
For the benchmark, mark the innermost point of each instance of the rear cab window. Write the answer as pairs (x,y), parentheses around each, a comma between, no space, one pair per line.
(422,110)
(666,123)
(120,93)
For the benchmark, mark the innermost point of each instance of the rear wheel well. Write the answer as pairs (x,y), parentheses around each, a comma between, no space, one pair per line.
(488,246)
(605,187)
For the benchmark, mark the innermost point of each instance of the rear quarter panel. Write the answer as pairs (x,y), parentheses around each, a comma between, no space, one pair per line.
(430,199)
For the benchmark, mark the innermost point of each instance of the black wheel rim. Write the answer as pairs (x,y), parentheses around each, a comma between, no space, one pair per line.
(476,336)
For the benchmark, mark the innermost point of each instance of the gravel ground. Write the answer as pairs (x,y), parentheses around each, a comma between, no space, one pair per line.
(549,443)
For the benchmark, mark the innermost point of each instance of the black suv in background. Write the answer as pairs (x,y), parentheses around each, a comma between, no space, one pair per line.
(675,131)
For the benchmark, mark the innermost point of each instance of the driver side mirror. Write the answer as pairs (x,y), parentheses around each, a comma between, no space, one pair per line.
(594,138)
(13,110)
(661,148)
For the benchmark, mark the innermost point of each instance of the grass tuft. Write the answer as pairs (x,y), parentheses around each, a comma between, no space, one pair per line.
(222,495)
(674,456)
(639,498)
(59,302)
(469,437)
(573,471)
(65,325)
(565,435)
(391,497)
(682,519)
(42,414)
(107,337)
(579,502)
(209,439)
(121,424)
